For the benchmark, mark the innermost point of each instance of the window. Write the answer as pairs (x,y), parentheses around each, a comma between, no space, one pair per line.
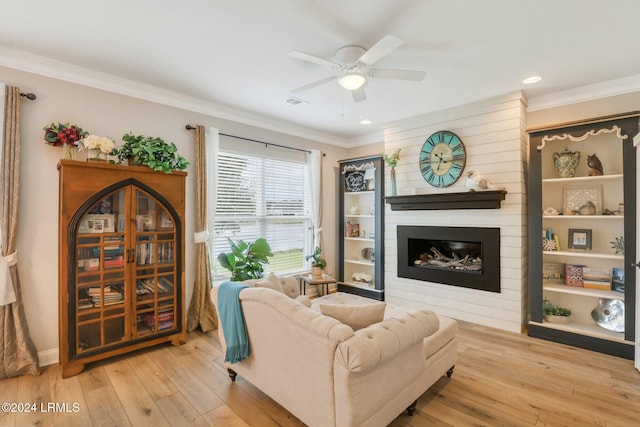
(263,197)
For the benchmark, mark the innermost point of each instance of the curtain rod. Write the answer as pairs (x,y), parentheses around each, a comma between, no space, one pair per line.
(31,96)
(189,127)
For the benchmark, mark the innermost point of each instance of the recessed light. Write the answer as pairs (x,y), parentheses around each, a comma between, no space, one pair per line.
(531,80)
(365,122)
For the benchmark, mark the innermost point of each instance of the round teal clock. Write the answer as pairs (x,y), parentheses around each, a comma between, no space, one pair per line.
(442,158)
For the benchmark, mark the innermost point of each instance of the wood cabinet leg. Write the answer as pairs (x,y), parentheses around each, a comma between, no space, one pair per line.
(72,369)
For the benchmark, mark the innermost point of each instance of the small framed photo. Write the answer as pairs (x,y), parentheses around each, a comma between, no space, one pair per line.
(165,221)
(579,238)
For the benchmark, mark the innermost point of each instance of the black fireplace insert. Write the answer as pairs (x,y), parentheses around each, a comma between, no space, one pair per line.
(460,256)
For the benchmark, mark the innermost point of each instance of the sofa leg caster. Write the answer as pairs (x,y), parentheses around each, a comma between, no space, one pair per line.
(450,371)
(232,374)
(412,408)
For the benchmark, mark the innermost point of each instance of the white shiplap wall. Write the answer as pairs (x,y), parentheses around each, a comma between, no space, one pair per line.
(494,134)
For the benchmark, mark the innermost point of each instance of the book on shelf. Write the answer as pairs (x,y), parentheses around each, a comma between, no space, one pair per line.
(596,278)
(353,229)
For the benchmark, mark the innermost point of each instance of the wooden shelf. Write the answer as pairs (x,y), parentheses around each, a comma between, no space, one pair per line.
(574,290)
(580,217)
(583,179)
(591,330)
(585,254)
(446,201)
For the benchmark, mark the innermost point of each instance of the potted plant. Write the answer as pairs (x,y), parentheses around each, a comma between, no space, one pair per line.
(246,260)
(318,264)
(150,151)
(392,161)
(555,314)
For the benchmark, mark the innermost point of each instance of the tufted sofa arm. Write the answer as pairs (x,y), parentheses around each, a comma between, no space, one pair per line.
(382,341)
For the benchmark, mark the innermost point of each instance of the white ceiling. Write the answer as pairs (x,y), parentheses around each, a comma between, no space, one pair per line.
(234,54)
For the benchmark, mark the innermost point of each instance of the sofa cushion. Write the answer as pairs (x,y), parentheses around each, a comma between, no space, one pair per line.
(290,286)
(270,281)
(304,300)
(357,316)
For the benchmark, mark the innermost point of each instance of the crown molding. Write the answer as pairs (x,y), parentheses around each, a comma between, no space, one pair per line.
(606,89)
(43,66)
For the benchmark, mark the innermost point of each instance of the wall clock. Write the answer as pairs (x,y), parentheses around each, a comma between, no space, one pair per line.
(442,158)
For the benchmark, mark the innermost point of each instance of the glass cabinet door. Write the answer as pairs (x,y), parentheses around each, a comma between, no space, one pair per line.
(155,266)
(98,296)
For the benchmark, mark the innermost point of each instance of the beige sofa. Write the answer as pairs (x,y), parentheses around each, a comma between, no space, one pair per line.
(327,374)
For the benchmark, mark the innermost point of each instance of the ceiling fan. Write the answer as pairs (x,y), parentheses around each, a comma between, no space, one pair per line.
(354,64)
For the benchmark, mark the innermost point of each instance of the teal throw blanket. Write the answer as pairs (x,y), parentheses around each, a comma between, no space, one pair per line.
(232,319)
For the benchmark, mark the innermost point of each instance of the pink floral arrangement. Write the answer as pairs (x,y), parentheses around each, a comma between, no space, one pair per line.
(57,134)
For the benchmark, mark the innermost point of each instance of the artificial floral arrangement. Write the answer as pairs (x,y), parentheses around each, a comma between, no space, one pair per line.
(393,159)
(65,134)
(95,142)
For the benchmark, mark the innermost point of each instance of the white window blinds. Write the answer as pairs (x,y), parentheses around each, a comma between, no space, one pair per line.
(263,197)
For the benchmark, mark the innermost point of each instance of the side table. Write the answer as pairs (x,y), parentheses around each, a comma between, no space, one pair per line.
(324,281)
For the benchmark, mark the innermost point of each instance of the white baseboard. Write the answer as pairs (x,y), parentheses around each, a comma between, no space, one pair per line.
(49,357)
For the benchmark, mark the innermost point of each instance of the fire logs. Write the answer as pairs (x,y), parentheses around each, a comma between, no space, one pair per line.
(438,259)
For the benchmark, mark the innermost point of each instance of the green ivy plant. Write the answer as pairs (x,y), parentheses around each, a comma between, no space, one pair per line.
(150,151)
(246,260)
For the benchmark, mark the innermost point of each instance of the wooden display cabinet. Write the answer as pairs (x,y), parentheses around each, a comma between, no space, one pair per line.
(121,274)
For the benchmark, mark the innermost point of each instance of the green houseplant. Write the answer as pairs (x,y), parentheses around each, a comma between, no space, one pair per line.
(318,263)
(246,260)
(150,151)
(555,314)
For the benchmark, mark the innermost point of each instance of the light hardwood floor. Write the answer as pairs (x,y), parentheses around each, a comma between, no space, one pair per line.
(501,379)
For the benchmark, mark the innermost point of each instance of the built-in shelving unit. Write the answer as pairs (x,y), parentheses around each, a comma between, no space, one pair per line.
(584,203)
(361,227)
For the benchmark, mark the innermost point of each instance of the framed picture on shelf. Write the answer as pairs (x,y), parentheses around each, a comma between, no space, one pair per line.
(579,238)
(145,222)
(585,200)
(553,272)
(165,221)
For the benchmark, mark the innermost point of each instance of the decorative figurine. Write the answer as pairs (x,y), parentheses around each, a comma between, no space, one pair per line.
(477,182)
(595,165)
(588,208)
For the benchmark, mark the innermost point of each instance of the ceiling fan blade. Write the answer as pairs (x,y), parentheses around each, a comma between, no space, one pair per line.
(412,75)
(384,46)
(314,84)
(358,94)
(315,59)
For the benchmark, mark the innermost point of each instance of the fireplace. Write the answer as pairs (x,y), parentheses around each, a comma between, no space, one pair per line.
(460,256)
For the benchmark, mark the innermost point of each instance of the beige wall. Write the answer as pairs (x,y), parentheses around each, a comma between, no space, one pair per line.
(584,110)
(108,114)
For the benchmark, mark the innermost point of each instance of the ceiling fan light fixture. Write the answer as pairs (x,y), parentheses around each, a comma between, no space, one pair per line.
(531,80)
(352,81)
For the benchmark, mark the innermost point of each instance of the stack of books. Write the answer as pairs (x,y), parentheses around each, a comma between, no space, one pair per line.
(113,252)
(165,320)
(110,294)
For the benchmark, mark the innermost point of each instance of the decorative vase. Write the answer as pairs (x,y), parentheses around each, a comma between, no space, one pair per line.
(96,155)
(67,153)
(566,162)
(316,272)
(393,181)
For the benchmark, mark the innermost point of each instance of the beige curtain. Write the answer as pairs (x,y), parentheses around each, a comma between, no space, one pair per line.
(201,310)
(18,355)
